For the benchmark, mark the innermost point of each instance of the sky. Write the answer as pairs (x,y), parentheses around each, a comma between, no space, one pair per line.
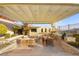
(70,20)
(42,25)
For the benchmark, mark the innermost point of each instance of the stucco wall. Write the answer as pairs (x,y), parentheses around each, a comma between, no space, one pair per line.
(39,31)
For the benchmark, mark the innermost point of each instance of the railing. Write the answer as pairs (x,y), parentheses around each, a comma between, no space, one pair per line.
(8,48)
(69,27)
(12,44)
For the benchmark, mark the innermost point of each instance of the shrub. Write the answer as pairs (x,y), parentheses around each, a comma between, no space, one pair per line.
(2,39)
(4,45)
(7,35)
(3,29)
(77,37)
(13,35)
(76,44)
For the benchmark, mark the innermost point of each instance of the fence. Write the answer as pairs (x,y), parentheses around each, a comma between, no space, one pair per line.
(69,27)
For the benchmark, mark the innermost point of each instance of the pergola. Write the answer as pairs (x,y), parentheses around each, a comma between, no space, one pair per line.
(38,12)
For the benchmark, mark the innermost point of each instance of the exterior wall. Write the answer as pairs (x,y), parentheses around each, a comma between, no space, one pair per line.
(39,31)
(33,33)
(70,39)
(47,30)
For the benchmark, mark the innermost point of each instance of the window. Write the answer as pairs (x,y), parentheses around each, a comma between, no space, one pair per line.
(42,30)
(33,30)
(45,30)
(49,30)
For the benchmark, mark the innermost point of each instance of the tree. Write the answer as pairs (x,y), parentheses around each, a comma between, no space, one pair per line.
(3,29)
(16,28)
(26,29)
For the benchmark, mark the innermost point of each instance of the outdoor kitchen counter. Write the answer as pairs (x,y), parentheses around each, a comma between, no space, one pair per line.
(26,42)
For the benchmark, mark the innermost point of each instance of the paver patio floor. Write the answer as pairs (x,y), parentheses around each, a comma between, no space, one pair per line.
(36,51)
